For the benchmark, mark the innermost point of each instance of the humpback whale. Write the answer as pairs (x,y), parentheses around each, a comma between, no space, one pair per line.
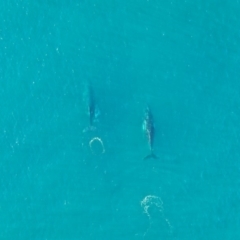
(93,111)
(148,127)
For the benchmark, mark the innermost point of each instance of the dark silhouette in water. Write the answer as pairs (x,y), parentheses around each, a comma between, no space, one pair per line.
(92,109)
(148,127)
(91,106)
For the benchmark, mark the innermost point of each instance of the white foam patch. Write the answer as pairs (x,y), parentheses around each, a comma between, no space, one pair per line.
(152,203)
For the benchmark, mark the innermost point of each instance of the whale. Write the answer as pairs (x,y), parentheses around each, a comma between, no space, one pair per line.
(149,129)
(93,111)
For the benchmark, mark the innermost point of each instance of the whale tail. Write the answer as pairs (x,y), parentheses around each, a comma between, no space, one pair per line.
(88,129)
(151,155)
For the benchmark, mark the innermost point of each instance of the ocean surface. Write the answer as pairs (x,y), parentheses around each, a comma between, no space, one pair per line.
(59,179)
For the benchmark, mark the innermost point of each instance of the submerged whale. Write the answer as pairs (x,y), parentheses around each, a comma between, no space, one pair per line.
(148,127)
(93,110)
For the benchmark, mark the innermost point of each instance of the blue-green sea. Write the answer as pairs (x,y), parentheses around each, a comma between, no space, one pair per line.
(61,180)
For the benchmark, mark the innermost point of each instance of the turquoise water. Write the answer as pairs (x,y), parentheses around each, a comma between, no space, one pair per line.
(181,58)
